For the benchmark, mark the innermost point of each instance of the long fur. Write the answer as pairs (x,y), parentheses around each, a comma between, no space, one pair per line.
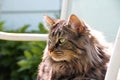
(91,65)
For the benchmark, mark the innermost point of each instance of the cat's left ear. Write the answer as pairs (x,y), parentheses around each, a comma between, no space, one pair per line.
(76,23)
(50,21)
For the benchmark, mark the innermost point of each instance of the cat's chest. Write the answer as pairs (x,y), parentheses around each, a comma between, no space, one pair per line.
(56,71)
(59,71)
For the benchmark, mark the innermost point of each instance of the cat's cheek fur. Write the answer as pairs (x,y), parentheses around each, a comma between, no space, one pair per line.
(67,55)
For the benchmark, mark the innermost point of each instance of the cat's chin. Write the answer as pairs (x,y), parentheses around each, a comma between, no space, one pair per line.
(57,56)
(65,55)
(57,59)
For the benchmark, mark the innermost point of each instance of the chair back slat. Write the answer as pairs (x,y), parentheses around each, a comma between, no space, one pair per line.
(23,36)
(114,65)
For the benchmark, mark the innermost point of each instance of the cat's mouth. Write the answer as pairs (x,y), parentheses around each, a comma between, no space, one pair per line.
(65,55)
(58,52)
(57,55)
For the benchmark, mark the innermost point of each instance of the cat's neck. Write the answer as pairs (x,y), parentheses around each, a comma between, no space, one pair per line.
(74,67)
(66,69)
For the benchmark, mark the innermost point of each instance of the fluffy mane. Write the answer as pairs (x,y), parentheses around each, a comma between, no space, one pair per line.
(88,61)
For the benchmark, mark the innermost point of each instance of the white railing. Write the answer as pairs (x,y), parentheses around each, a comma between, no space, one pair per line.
(66,9)
(23,36)
(113,72)
(35,37)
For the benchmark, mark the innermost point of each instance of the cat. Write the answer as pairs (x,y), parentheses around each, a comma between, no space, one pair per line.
(73,52)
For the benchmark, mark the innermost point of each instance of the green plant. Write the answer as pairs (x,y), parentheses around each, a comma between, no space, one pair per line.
(1,25)
(19,59)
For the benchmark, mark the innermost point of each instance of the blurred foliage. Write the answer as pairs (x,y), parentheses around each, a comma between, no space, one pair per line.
(19,60)
(1,25)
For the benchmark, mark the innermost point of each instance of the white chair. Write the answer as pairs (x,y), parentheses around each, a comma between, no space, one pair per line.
(113,72)
(35,37)
(22,36)
(114,65)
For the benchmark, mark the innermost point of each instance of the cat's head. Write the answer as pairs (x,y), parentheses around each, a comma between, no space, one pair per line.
(71,40)
(64,42)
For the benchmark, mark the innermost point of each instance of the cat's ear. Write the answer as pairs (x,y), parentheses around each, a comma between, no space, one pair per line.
(50,21)
(76,23)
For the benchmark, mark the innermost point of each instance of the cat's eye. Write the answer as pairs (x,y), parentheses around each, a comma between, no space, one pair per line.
(61,40)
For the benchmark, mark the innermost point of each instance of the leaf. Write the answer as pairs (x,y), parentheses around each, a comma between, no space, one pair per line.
(42,29)
(27,54)
(1,25)
(23,68)
(24,28)
(23,63)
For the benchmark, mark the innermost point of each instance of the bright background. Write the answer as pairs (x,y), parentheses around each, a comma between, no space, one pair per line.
(17,13)
(102,15)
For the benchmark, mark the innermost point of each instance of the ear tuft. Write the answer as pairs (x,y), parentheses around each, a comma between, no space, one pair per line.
(76,23)
(49,20)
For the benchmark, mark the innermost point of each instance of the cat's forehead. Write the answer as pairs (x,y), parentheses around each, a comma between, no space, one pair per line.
(59,23)
(58,28)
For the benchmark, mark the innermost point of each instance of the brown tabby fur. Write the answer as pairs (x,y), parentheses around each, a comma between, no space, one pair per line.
(80,57)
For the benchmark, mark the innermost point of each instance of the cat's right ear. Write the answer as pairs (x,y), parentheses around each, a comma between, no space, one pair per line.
(76,23)
(49,21)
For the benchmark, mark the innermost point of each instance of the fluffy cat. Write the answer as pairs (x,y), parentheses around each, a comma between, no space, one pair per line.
(73,52)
